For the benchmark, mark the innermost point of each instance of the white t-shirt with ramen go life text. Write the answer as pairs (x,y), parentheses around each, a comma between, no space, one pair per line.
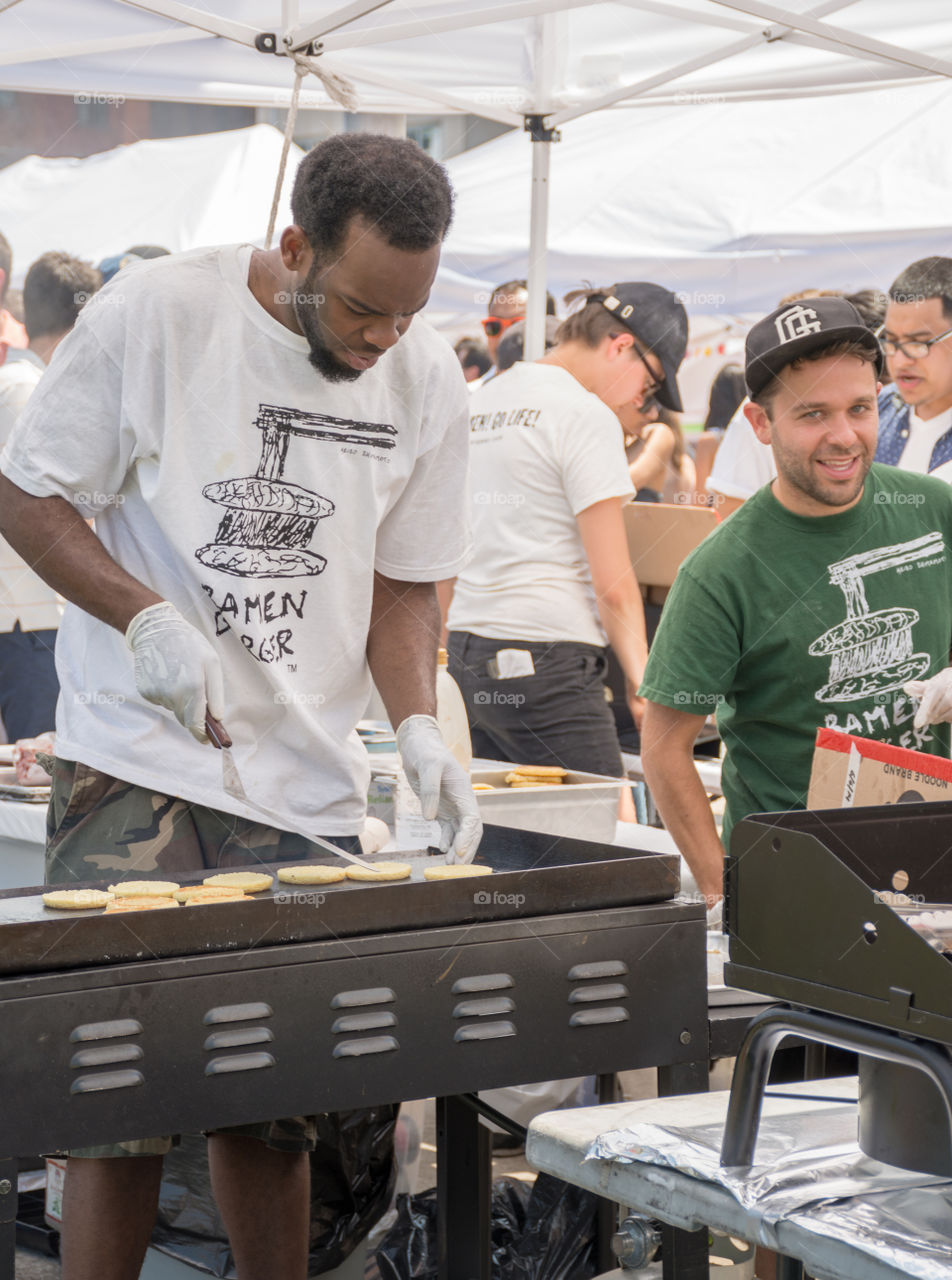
(543,449)
(227,474)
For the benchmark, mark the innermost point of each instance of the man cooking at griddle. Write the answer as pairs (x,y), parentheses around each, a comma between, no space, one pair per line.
(273,453)
(826,601)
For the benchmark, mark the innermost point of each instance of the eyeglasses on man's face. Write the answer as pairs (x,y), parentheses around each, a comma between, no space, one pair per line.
(915,349)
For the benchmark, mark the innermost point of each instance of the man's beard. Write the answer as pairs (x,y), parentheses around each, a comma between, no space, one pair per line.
(320,355)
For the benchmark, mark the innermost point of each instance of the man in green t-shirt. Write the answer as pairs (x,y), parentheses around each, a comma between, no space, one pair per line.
(815,605)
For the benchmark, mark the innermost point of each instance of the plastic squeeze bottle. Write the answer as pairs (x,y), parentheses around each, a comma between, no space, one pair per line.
(451,713)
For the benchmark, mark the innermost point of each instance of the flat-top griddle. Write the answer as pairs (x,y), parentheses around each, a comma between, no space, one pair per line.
(534,874)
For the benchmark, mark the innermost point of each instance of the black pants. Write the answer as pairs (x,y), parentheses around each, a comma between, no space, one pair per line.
(558,715)
(28,684)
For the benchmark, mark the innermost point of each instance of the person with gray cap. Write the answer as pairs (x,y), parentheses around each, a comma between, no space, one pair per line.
(551,582)
(824,602)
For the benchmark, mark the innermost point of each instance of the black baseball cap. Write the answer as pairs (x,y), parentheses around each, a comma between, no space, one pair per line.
(657,318)
(797,329)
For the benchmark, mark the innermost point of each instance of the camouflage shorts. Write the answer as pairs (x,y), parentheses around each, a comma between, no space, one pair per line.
(99,827)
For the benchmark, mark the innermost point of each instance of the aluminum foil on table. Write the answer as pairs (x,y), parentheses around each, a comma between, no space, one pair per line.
(832,1190)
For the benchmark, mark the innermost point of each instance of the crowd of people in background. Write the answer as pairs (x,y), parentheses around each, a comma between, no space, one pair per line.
(33,322)
(719,463)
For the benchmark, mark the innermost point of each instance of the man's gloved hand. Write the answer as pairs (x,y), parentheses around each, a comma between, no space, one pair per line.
(934,696)
(442,786)
(176,667)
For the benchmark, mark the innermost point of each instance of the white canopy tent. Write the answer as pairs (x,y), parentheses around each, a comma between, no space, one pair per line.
(731,205)
(214,188)
(538,62)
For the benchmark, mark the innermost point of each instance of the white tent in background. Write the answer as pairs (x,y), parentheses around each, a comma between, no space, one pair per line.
(181,193)
(541,63)
(730,204)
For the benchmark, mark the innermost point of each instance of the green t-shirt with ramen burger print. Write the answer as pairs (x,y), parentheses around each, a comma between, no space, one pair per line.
(781,624)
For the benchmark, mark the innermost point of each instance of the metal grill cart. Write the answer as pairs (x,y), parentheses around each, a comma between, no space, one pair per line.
(572,958)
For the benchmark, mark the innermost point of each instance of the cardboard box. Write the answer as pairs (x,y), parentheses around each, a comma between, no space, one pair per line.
(660,535)
(858,771)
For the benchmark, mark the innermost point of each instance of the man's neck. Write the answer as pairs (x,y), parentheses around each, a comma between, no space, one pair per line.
(926,412)
(45,346)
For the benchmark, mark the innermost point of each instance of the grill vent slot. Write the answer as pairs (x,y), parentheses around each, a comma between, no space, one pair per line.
(489,1008)
(484,1031)
(367,1045)
(237,1013)
(484,982)
(105,1030)
(238,1062)
(238,1038)
(105,1080)
(598,1017)
(370,995)
(351,1022)
(105,1055)
(599,969)
(604,991)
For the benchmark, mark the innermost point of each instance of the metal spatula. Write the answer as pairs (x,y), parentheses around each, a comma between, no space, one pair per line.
(231,781)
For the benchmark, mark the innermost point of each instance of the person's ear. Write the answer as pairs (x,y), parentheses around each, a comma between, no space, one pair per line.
(618,345)
(296,252)
(756,415)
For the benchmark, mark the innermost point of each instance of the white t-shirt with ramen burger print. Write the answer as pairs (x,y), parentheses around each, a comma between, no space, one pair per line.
(227,474)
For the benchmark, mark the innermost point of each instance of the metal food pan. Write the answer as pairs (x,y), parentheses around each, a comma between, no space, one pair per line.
(583,805)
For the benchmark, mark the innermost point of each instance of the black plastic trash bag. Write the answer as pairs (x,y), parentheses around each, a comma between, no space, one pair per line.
(352,1176)
(546,1231)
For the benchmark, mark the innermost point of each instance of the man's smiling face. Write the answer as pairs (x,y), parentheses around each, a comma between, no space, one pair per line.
(822,425)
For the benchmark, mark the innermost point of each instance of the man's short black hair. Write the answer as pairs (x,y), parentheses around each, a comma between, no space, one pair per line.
(925,279)
(56,289)
(390,182)
(6,265)
(519,286)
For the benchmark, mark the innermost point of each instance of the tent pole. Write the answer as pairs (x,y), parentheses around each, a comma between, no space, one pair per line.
(542,139)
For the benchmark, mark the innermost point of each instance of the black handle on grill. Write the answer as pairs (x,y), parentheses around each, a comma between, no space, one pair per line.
(767,1031)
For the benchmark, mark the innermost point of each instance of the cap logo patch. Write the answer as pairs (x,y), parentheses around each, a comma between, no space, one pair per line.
(797,322)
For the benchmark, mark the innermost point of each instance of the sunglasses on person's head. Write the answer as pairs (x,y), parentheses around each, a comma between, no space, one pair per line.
(493,326)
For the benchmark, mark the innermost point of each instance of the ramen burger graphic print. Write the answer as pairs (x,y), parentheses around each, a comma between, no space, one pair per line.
(873,651)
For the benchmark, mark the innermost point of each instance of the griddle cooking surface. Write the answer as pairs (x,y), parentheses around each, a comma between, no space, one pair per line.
(534,875)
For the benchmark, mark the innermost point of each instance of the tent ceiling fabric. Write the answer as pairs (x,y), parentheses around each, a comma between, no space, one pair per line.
(731,205)
(181,193)
(422,55)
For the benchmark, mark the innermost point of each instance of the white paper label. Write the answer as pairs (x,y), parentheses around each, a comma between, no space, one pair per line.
(852,777)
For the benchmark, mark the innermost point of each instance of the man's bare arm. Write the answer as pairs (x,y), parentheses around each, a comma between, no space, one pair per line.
(401,646)
(55,541)
(667,753)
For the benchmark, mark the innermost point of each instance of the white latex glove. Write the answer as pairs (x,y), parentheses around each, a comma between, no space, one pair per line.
(715,917)
(442,786)
(934,697)
(176,667)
